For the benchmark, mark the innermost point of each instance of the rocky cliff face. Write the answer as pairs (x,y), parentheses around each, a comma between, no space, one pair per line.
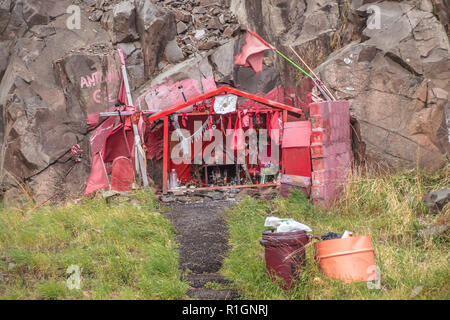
(52,76)
(396,75)
(397,79)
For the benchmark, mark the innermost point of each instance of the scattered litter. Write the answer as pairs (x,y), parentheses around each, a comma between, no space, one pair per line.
(173,180)
(416,291)
(350,89)
(330,236)
(347,234)
(76,152)
(347,60)
(317,280)
(285,225)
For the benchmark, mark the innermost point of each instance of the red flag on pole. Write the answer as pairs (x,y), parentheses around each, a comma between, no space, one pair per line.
(252,52)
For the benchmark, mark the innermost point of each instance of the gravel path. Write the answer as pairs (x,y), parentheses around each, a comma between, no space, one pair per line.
(203,237)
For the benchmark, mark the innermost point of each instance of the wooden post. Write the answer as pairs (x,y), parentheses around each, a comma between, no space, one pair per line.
(285,114)
(165,154)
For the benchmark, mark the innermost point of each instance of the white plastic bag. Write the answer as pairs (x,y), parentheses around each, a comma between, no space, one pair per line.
(347,234)
(285,225)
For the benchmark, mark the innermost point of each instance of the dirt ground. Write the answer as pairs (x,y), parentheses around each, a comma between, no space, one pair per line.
(202,234)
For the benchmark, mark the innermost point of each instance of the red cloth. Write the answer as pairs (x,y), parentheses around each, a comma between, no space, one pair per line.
(237,141)
(117,145)
(98,179)
(246,120)
(99,136)
(122,174)
(252,53)
(107,143)
(93,119)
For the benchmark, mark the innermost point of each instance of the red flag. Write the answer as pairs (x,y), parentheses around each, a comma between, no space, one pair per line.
(252,52)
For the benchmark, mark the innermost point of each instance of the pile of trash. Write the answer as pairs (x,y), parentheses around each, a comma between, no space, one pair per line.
(343,256)
(285,225)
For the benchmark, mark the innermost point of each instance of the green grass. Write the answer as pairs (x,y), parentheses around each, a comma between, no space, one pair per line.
(388,208)
(124,251)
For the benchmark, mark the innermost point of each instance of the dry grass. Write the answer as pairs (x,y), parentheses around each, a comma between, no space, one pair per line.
(124,250)
(389,208)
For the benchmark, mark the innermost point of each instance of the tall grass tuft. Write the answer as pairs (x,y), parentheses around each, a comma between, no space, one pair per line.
(389,208)
(124,251)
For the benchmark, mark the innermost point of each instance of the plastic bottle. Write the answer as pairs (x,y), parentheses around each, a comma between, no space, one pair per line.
(173,179)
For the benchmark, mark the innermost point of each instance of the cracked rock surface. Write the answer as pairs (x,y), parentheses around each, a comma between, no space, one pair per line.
(52,77)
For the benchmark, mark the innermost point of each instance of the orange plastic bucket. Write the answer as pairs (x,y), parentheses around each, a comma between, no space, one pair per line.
(350,259)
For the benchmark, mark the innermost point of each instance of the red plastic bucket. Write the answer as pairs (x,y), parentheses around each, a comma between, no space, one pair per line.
(284,254)
(350,259)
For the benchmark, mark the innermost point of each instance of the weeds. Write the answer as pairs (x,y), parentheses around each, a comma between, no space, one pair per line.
(388,208)
(124,251)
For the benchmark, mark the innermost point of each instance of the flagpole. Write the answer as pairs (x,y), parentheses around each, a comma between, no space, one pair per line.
(315,82)
(139,156)
(290,61)
(312,72)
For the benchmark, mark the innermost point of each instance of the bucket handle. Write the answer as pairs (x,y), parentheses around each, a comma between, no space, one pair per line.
(343,253)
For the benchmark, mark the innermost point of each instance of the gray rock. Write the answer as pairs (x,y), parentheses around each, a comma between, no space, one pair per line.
(199,34)
(156,28)
(181,27)
(41,95)
(182,15)
(122,26)
(173,52)
(231,31)
(167,199)
(208,45)
(393,74)
(213,23)
(96,15)
(43,31)
(433,231)
(224,61)
(214,195)
(437,199)
(4,56)
(194,68)
(127,48)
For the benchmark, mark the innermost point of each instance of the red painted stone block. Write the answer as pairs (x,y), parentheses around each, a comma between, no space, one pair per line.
(331,151)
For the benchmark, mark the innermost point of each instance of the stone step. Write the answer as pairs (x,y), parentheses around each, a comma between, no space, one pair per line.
(199,280)
(211,294)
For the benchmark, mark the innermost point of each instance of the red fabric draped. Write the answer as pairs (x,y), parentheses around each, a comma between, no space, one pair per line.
(252,53)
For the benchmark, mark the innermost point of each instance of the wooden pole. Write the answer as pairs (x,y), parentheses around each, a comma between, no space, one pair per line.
(165,154)
(284,123)
(312,72)
(139,159)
